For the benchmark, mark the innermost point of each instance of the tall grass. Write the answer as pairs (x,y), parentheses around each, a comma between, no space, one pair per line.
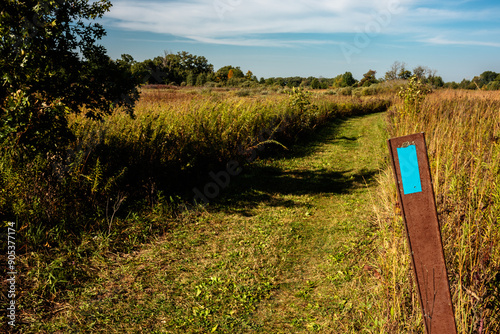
(177,136)
(463,139)
(105,191)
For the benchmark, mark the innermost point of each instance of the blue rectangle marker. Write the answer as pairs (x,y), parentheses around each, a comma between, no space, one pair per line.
(408,165)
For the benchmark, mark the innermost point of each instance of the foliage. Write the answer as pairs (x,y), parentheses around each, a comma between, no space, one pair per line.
(412,95)
(51,65)
(173,69)
(368,79)
(300,99)
(347,80)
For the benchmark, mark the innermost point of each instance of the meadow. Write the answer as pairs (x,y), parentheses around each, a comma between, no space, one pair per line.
(123,181)
(308,238)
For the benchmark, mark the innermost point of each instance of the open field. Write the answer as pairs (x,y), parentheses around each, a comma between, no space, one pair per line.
(124,183)
(304,237)
(287,249)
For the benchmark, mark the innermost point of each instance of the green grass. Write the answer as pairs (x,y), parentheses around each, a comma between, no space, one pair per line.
(287,247)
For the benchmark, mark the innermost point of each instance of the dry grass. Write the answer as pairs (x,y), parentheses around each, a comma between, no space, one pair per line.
(463,138)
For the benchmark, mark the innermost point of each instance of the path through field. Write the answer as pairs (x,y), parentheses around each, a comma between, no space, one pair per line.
(287,248)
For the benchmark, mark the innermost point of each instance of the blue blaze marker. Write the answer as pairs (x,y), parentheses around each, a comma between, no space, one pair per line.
(408,165)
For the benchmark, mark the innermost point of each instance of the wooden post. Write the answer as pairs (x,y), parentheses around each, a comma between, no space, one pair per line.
(416,198)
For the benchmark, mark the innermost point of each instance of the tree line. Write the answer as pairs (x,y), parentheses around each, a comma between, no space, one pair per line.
(185,69)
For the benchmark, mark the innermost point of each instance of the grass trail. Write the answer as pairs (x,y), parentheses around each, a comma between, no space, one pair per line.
(286,248)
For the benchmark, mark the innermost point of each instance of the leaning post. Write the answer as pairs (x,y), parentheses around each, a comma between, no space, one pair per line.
(418,207)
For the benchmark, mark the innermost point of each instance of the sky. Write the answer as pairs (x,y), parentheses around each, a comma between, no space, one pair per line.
(321,38)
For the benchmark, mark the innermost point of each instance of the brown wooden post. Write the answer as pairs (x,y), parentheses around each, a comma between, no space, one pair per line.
(416,197)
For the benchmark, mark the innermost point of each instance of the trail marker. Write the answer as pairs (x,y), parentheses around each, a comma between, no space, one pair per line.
(416,198)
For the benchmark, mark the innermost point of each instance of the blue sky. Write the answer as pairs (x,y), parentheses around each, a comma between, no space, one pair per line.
(459,39)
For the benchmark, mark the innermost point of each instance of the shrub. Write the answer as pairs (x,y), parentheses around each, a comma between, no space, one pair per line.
(413,94)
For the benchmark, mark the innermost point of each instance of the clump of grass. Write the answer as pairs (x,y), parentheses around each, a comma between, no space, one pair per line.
(463,140)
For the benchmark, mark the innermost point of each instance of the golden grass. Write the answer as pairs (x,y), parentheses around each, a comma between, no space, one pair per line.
(463,139)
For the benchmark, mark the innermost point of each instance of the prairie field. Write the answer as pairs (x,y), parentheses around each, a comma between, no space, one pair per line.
(302,231)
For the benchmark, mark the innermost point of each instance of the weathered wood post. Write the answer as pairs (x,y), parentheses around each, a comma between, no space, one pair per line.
(416,198)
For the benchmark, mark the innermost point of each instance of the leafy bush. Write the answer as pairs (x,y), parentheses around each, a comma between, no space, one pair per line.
(413,94)
(346,91)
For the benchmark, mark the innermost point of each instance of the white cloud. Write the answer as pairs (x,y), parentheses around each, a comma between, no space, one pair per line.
(444,41)
(252,22)
(226,21)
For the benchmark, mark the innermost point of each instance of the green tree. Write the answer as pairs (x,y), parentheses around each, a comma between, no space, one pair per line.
(51,65)
(270,81)
(315,84)
(436,81)
(348,80)
(201,79)
(486,77)
(422,73)
(368,79)
(222,74)
(404,74)
(190,81)
(493,85)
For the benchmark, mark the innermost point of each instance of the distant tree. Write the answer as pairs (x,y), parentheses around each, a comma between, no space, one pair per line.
(177,67)
(467,84)
(393,72)
(486,77)
(452,85)
(348,80)
(436,81)
(420,72)
(404,74)
(493,85)
(153,72)
(270,81)
(51,65)
(368,79)
(222,73)
(127,59)
(190,81)
(201,79)
(293,81)
(315,84)
(280,82)
(249,75)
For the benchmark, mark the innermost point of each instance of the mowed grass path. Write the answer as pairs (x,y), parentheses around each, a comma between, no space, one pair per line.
(288,247)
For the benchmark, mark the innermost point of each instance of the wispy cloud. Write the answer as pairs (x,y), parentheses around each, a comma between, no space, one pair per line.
(253,22)
(444,41)
(230,21)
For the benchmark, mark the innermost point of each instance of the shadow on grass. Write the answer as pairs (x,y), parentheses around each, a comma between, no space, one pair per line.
(269,184)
